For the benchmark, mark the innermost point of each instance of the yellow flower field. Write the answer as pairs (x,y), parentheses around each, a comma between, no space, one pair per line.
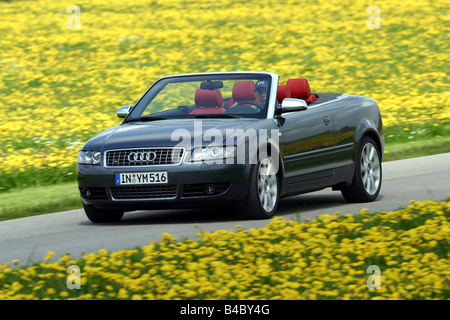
(59,86)
(327,258)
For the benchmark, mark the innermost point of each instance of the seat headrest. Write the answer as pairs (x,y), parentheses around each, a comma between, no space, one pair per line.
(208,98)
(282,93)
(299,88)
(244,90)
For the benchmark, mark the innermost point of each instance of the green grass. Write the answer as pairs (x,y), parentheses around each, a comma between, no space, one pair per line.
(19,203)
(60,196)
(405,150)
(416,140)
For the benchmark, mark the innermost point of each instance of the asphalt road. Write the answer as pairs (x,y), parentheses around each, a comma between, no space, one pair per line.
(29,239)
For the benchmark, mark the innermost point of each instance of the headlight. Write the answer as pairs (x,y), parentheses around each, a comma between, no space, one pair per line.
(213,153)
(89,157)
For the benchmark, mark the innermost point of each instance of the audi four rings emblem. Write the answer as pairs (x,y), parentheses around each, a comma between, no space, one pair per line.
(142,156)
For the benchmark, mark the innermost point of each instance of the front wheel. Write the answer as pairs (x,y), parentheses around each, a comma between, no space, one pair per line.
(102,215)
(366,182)
(263,195)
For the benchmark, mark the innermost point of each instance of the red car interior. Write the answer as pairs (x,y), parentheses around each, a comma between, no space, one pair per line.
(299,89)
(243,91)
(211,101)
(208,101)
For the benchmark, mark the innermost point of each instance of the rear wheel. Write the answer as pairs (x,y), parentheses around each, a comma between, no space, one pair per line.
(366,182)
(102,215)
(262,199)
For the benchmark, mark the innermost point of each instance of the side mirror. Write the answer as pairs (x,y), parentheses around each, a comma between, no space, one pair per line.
(124,111)
(290,104)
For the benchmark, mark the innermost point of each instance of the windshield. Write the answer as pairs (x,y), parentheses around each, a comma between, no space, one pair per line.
(204,96)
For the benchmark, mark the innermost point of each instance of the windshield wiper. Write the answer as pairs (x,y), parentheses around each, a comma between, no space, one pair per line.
(204,116)
(146,118)
(214,115)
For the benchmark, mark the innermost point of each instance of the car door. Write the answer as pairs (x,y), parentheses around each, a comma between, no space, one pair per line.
(307,141)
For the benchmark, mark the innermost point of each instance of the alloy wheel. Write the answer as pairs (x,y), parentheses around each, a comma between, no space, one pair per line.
(267,185)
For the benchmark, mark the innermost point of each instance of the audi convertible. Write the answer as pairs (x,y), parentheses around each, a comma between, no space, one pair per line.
(240,139)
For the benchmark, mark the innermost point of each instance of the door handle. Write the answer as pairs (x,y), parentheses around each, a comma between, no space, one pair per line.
(327,120)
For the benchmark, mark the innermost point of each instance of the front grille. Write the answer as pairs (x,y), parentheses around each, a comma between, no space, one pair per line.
(144,192)
(143,157)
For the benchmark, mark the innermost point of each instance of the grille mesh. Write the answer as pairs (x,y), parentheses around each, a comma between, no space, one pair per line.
(144,192)
(163,156)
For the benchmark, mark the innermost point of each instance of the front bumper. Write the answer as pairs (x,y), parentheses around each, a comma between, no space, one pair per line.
(189,185)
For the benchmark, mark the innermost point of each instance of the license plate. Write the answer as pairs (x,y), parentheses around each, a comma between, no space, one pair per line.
(159,177)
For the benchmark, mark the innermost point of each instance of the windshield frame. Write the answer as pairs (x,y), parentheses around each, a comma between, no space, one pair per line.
(154,90)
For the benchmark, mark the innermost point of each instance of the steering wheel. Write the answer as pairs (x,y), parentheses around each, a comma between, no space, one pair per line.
(253,104)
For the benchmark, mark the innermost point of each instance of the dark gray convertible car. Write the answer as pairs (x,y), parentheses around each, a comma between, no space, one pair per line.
(240,139)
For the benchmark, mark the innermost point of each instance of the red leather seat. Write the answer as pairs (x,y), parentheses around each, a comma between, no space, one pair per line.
(208,101)
(243,91)
(300,89)
(282,93)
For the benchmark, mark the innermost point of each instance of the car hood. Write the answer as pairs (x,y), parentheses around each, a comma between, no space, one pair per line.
(166,133)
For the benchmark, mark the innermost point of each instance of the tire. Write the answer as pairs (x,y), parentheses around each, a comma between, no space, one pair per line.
(101,215)
(366,182)
(263,195)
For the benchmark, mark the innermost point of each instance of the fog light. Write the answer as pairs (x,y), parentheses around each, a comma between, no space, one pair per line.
(210,189)
(88,193)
